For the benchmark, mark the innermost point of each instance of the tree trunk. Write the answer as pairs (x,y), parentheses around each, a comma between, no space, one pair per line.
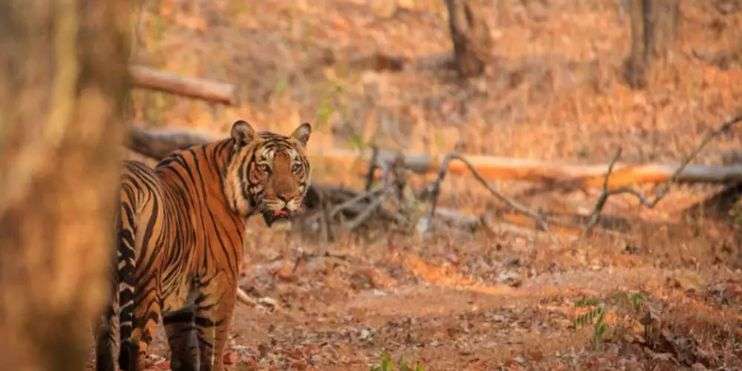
(653,29)
(472,42)
(62,87)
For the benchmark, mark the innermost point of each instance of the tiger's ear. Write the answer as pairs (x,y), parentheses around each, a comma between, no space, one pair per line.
(302,133)
(242,132)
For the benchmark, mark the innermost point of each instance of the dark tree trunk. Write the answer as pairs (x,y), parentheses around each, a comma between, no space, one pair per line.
(472,42)
(653,29)
(62,87)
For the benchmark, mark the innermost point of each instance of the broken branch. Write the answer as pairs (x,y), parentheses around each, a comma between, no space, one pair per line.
(367,212)
(663,188)
(541,223)
(595,214)
(209,90)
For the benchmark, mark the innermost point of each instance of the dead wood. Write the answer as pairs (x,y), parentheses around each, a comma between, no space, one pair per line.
(663,188)
(458,219)
(352,209)
(567,176)
(157,144)
(541,222)
(372,166)
(366,212)
(209,90)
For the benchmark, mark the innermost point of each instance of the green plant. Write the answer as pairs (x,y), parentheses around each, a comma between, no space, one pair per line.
(387,364)
(597,308)
(595,316)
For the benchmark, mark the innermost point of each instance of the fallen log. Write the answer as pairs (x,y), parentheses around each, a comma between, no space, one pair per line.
(571,175)
(158,143)
(209,90)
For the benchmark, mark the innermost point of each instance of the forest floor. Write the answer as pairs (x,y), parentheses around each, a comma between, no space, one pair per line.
(660,291)
(669,298)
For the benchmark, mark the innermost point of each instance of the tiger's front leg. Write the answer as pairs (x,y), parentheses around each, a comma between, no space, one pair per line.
(213,317)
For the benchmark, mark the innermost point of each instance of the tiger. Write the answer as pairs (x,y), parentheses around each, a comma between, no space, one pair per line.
(180,233)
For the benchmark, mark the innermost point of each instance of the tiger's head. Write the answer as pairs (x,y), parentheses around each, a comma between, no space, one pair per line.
(268,173)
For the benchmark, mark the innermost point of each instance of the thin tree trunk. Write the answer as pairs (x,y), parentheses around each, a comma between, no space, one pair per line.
(472,42)
(62,88)
(653,30)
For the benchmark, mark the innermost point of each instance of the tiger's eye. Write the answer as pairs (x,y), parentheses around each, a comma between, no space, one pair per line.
(264,168)
(296,168)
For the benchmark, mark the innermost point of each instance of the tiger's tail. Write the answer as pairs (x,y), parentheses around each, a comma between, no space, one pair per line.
(106,348)
(126,258)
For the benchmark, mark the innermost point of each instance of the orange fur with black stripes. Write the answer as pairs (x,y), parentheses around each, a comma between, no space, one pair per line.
(180,241)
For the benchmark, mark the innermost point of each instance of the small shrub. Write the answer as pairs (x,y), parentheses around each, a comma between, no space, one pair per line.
(387,364)
(621,302)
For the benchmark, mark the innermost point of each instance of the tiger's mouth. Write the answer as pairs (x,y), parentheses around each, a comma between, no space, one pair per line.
(271,216)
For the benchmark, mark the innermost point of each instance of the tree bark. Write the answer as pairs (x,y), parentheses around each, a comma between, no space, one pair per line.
(653,30)
(472,42)
(62,92)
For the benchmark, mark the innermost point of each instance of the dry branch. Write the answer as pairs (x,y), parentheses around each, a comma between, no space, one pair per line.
(663,188)
(541,222)
(355,200)
(595,214)
(367,212)
(209,90)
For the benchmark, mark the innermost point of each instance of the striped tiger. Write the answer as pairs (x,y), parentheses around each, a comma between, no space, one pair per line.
(180,242)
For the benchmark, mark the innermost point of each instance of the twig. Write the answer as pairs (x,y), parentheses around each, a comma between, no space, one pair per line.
(355,200)
(327,235)
(595,214)
(510,203)
(305,257)
(366,213)
(372,166)
(663,188)
(726,126)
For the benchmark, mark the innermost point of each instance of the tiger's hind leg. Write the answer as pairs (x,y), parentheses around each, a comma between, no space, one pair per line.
(214,308)
(107,332)
(180,327)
